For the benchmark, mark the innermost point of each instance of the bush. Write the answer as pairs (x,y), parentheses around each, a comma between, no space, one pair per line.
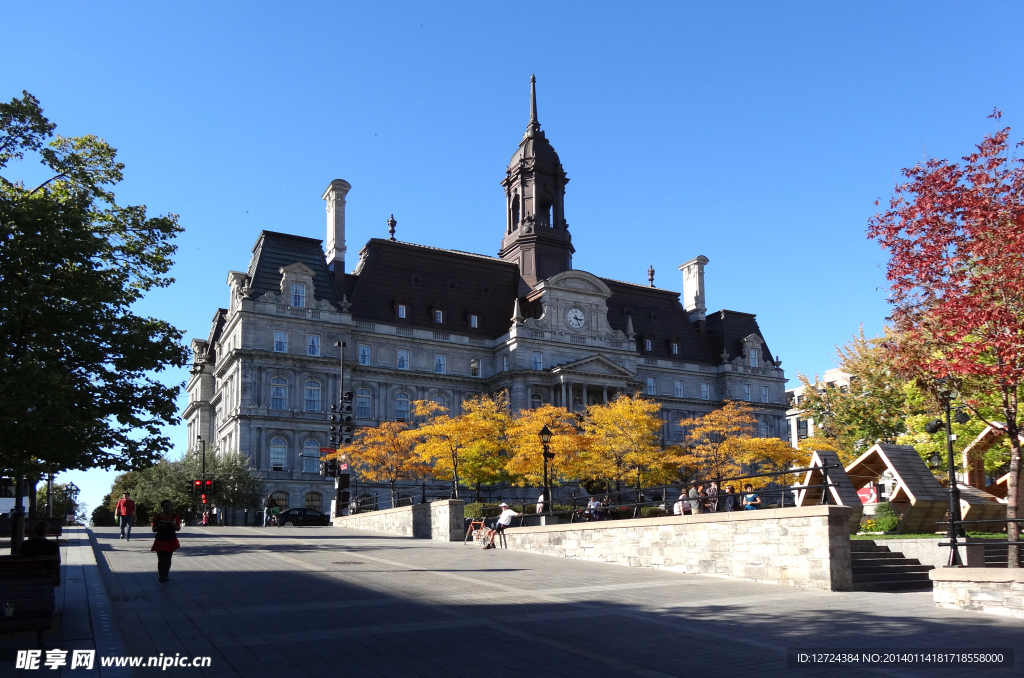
(481,510)
(886,519)
(102,517)
(652,512)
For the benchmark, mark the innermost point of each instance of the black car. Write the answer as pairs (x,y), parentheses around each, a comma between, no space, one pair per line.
(302,516)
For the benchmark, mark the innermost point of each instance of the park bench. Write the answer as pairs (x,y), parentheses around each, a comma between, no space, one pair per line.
(26,594)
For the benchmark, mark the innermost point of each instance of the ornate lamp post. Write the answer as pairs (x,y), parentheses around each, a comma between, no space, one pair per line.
(947,394)
(545,439)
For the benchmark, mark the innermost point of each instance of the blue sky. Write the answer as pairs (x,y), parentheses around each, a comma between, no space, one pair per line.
(757,134)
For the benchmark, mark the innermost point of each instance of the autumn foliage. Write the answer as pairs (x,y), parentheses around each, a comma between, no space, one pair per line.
(955,236)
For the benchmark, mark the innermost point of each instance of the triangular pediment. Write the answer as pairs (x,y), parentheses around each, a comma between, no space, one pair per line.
(595,364)
(298,268)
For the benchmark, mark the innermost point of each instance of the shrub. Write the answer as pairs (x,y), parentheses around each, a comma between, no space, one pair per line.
(102,516)
(886,518)
(652,512)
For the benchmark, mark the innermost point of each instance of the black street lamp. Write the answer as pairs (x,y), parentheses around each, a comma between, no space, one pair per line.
(947,394)
(545,439)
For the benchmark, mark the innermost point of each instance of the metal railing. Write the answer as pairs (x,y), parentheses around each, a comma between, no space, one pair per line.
(956,528)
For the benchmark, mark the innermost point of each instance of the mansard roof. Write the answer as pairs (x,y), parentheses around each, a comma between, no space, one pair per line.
(726,330)
(427,278)
(657,315)
(274,250)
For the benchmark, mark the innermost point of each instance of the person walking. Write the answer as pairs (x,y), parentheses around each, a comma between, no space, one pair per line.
(271,503)
(126,515)
(166,524)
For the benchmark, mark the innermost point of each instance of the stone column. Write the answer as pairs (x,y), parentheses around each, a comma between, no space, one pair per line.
(563,394)
(584,396)
(604,395)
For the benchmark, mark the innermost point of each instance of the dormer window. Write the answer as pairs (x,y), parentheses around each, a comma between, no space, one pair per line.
(401,311)
(299,295)
(647,345)
(474,321)
(675,348)
(753,358)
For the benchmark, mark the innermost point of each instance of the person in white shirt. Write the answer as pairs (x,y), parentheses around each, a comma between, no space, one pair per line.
(594,508)
(504,520)
(540,504)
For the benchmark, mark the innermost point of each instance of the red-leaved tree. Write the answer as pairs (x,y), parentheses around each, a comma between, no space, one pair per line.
(955,236)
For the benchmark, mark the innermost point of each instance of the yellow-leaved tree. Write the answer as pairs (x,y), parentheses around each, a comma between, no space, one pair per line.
(385,453)
(484,457)
(623,443)
(526,464)
(721,444)
(459,445)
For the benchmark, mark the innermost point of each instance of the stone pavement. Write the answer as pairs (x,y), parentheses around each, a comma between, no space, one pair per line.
(333,602)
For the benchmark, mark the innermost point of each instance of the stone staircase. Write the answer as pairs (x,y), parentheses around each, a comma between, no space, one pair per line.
(876,568)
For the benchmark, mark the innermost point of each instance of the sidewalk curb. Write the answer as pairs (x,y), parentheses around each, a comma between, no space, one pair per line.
(105,632)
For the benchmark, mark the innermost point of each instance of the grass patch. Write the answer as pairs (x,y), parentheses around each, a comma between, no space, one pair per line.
(973,535)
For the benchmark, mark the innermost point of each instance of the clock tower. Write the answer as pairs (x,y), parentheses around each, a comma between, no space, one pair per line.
(536,232)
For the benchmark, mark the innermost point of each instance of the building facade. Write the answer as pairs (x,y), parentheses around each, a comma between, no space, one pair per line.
(420,322)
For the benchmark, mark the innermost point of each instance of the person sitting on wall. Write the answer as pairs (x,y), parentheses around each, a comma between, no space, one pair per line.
(504,520)
(751,501)
(594,508)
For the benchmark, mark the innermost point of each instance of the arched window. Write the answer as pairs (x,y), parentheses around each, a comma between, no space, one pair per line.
(441,400)
(278,393)
(315,501)
(551,215)
(311,456)
(536,401)
(515,213)
(312,396)
(281,498)
(363,409)
(278,454)
(402,406)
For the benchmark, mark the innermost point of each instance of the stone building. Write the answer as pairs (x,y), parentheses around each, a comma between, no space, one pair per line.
(420,322)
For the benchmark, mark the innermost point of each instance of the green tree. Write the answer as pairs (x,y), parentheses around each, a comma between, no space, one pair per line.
(62,504)
(78,385)
(871,409)
(238,484)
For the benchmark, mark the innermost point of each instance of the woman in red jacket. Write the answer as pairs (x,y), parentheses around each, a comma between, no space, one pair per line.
(165,524)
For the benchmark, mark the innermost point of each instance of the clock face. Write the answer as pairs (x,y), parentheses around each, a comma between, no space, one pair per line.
(575,318)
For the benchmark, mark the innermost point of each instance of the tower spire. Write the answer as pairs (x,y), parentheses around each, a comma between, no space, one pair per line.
(533,100)
(534,127)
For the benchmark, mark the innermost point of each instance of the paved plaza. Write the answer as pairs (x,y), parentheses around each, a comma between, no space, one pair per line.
(331,602)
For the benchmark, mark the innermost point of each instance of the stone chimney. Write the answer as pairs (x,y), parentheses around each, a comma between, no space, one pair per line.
(693,290)
(334,196)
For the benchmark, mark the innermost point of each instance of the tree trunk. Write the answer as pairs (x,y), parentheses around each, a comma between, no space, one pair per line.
(477,498)
(394,500)
(18,516)
(1013,488)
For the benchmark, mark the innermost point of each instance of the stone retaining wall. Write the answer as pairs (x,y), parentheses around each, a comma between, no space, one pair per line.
(440,520)
(807,547)
(990,590)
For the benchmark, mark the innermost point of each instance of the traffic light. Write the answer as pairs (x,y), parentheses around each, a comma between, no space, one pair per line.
(204,497)
(209,486)
(343,481)
(334,422)
(197,486)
